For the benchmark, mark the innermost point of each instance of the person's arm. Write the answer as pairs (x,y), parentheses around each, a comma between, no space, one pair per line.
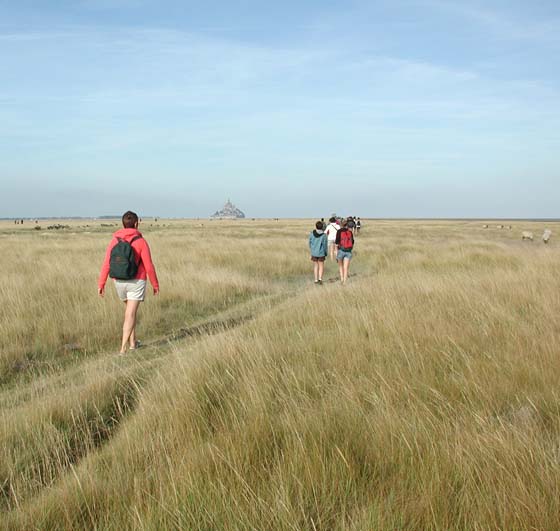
(146,258)
(309,240)
(104,273)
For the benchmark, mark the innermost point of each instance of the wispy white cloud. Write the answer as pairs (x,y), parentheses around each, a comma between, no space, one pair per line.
(133,75)
(99,100)
(502,23)
(110,4)
(33,36)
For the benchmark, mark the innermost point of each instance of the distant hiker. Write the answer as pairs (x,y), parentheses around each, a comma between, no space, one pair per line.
(351,224)
(128,262)
(324,225)
(345,242)
(318,248)
(358,225)
(332,228)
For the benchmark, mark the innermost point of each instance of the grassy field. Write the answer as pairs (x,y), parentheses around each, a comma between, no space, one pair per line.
(424,394)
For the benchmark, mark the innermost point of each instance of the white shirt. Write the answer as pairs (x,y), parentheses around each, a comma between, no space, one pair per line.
(331,231)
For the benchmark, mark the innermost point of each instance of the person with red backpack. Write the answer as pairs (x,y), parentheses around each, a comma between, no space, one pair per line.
(128,262)
(345,242)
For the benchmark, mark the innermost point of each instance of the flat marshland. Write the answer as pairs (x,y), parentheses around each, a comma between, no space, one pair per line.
(424,394)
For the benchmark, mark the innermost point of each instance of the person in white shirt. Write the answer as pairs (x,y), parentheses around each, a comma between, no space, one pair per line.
(332,228)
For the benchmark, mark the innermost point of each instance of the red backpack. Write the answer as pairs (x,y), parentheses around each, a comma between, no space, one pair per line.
(346,242)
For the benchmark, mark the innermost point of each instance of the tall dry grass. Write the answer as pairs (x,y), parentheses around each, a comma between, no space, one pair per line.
(47,310)
(423,395)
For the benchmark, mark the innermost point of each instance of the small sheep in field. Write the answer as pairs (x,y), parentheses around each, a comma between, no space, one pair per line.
(546,235)
(526,235)
(484,226)
(499,226)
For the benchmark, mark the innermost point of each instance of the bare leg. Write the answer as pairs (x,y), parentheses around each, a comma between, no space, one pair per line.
(321,269)
(316,270)
(132,339)
(345,268)
(341,270)
(129,325)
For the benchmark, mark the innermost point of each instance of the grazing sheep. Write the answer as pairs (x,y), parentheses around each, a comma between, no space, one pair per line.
(484,226)
(546,235)
(499,226)
(526,235)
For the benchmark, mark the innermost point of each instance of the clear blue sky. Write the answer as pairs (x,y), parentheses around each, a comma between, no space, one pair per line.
(383,108)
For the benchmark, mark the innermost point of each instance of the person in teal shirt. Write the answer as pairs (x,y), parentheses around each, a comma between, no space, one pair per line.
(318,246)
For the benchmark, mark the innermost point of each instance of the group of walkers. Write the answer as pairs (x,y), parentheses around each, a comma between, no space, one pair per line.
(334,240)
(129,263)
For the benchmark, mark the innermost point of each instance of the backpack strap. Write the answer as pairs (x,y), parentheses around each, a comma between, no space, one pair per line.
(130,242)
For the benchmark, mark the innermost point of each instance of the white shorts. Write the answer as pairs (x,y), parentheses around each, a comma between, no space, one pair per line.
(131,290)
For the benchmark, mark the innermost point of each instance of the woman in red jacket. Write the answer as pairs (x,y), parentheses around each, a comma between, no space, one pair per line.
(130,290)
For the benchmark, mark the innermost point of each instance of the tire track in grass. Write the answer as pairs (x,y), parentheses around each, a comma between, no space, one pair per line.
(98,423)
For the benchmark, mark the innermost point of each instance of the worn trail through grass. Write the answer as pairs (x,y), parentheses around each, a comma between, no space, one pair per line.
(422,395)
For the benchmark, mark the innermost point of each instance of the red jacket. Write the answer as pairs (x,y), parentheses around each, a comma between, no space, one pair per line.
(142,252)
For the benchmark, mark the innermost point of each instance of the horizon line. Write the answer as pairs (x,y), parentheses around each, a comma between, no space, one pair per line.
(250,218)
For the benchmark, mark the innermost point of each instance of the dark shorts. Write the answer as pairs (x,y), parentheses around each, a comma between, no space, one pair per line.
(318,258)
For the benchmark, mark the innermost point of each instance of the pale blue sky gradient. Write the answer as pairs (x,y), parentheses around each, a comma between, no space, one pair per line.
(403,108)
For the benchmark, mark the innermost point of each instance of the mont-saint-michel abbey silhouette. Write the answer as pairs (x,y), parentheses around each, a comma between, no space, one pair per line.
(229,211)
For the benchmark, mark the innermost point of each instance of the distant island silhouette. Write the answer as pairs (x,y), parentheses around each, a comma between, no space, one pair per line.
(229,211)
